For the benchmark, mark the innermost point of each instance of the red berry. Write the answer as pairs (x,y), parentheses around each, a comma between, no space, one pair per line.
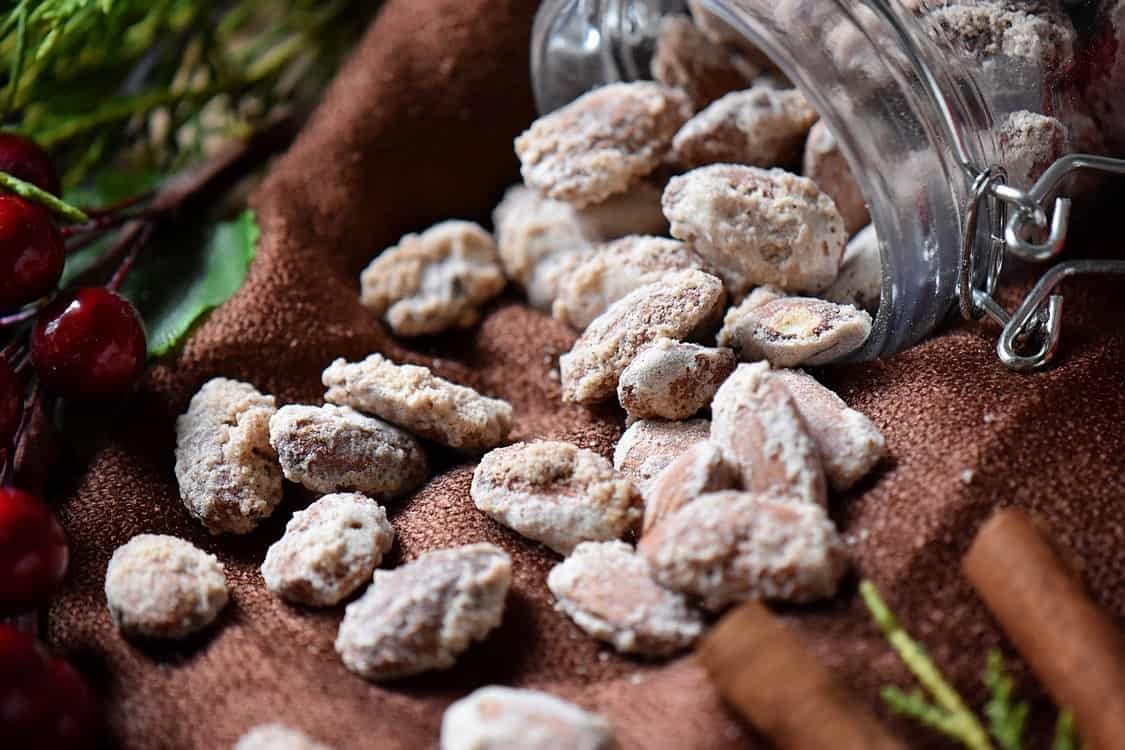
(32,252)
(11,403)
(33,551)
(43,701)
(90,344)
(25,159)
(75,717)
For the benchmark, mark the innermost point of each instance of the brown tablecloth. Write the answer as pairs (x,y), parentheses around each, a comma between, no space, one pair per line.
(419,128)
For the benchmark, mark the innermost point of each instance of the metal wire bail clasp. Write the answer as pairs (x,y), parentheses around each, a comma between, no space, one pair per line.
(1035,326)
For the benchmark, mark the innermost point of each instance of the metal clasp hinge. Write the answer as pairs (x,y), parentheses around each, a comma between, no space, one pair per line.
(1030,335)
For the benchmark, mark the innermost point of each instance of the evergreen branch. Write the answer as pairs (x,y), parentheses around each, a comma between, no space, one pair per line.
(962,723)
(1066,738)
(126,81)
(915,706)
(1007,718)
(16,73)
(26,190)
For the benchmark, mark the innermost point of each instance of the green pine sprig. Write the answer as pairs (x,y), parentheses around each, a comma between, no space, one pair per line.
(938,705)
(157,80)
(1007,718)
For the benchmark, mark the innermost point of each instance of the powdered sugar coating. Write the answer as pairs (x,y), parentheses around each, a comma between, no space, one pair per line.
(614,270)
(824,164)
(422,615)
(636,211)
(551,274)
(722,33)
(761,433)
(672,380)
(1029,143)
(728,547)
(226,469)
(795,331)
(277,737)
(991,33)
(608,591)
(603,142)
(331,448)
(679,306)
(531,228)
(329,550)
(699,470)
(555,493)
(160,586)
(433,281)
(762,126)
(860,282)
(414,398)
(685,58)
(649,445)
(757,226)
(848,442)
(502,718)
(760,295)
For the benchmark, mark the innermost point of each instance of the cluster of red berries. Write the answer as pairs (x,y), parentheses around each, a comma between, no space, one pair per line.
(83,343)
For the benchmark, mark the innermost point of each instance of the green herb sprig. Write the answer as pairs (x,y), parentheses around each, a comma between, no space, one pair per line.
(160,79)
(938,705)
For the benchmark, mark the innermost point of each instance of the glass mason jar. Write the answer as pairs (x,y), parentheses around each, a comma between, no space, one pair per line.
(917,97)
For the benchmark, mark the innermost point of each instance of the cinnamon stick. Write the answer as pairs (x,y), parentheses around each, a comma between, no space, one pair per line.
(763,670)
(1071,644)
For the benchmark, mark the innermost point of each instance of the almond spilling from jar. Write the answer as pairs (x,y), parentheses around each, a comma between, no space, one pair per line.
(495,718)
(435,280)
(680,306)
(649,445)
(860,282)
(608,591)
(699,470)
(672,380)
(614,270)
(422,615)
(531,228)
(825,165)
(849,443)
(762,127)
(687,59)
(758,226)
(555,493)
(795,331)
(603,142)
(760,431)
(414,398)
(535,235)
(728,547)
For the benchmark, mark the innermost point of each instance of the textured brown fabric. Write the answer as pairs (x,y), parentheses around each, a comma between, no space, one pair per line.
(419,128)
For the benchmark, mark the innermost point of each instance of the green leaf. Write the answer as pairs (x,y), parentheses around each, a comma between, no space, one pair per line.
(174,286)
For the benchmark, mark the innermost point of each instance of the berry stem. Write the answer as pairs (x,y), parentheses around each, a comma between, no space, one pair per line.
(135,246)
(101,222)
(18,317)
(29,192)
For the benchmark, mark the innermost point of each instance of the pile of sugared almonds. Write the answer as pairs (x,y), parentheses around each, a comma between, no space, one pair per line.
(722,478)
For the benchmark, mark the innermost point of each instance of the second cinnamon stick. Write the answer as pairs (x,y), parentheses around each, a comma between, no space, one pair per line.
(765,672)
(1071,645)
